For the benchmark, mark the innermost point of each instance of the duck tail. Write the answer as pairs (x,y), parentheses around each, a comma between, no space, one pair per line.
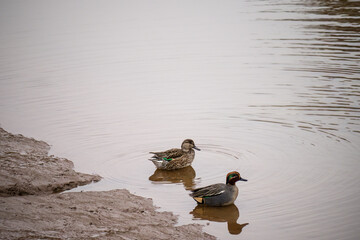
(159,163)
(156,156)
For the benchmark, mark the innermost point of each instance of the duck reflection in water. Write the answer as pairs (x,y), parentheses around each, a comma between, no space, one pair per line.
(185,176)
(229,214)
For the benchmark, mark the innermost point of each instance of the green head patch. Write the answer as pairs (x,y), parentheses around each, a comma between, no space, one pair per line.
(232,177)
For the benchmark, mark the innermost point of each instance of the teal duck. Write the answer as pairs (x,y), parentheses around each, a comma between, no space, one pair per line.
(219,194)
(175,158)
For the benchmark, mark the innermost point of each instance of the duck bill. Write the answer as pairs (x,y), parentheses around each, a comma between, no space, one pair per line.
(243,179)
(196,148)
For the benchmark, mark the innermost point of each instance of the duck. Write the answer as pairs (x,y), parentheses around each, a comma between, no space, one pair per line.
(220,194)
(175,158)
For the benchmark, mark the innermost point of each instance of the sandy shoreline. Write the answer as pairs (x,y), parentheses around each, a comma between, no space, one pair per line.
(33,208)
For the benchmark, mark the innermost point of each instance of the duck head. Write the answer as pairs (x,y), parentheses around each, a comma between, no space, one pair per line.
(233,177)
(188,144)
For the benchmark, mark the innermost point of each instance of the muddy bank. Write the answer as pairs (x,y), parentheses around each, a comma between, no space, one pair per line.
(26,168)
(32,208)
(113,214)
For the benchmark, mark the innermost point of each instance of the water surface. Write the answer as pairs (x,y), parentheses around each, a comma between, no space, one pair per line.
(268,88)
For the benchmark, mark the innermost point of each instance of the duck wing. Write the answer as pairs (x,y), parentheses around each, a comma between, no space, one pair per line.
(169,154)
(208,191)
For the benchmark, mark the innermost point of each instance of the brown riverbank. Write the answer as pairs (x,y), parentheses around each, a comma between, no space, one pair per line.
(31,206)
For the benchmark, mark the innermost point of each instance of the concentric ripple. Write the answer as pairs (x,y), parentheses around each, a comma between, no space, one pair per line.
(267,88)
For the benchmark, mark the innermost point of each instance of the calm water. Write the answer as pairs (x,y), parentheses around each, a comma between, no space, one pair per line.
(268,88)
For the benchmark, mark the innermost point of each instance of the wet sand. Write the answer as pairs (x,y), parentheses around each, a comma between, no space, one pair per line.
(32,206)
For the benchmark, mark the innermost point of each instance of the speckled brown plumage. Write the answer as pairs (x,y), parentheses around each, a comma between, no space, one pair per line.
(175,158)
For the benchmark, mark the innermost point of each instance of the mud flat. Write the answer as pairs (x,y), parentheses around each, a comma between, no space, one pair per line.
(33,207)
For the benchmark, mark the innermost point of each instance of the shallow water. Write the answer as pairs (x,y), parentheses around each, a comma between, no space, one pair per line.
(268,88)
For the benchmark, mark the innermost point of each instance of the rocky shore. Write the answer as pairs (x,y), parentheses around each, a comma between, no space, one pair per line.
(33,207)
